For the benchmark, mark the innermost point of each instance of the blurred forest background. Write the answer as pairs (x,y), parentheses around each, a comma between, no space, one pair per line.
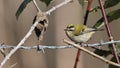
(13,30)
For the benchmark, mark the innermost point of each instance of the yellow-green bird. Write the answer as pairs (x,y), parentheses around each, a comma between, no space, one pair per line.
(79,33)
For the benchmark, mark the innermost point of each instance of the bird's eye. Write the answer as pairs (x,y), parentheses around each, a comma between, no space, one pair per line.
(83,30)
(72,29)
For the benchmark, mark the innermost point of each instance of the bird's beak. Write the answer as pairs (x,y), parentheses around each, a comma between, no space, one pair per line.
(66,29)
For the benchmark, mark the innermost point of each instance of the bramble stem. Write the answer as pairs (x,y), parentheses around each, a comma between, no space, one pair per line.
(108,30)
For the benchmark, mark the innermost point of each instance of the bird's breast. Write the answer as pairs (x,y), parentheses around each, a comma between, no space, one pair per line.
(80,38)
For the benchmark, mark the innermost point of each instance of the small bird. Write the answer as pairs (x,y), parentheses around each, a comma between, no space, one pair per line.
(42,25)
(79,33)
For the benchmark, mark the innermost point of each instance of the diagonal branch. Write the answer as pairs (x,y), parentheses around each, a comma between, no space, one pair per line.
(36,6)
(91,53)
(58,6)
(109,30)
(28,34)
(19,44)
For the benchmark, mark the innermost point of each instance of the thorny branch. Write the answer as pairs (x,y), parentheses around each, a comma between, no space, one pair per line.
(29,33)
(91,53)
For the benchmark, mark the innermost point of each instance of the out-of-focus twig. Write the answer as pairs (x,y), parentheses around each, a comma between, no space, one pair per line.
(36,5)
(87,11)
(13,65)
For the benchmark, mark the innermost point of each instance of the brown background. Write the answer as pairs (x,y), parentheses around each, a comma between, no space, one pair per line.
(12,31)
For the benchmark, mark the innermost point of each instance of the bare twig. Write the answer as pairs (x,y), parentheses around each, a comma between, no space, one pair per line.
(58,6)
(36,6)
(91,53)
(109,30)
(29,33)
(19,44)
(85,23)
(77,58)
(87,11)
(13,65)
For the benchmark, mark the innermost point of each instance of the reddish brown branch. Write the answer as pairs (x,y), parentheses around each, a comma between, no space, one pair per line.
(87,11)
(77,58)
(108,30)
(85,22)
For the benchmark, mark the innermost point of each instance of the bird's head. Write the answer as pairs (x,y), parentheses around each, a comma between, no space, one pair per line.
(75,29)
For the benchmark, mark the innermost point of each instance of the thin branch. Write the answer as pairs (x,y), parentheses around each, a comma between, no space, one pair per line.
(29,33)
(109,30)
(19,44)
(77,58)
(36,6)
(87,11)
(91,53)
(13,65)
(85,23)
(58,6)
